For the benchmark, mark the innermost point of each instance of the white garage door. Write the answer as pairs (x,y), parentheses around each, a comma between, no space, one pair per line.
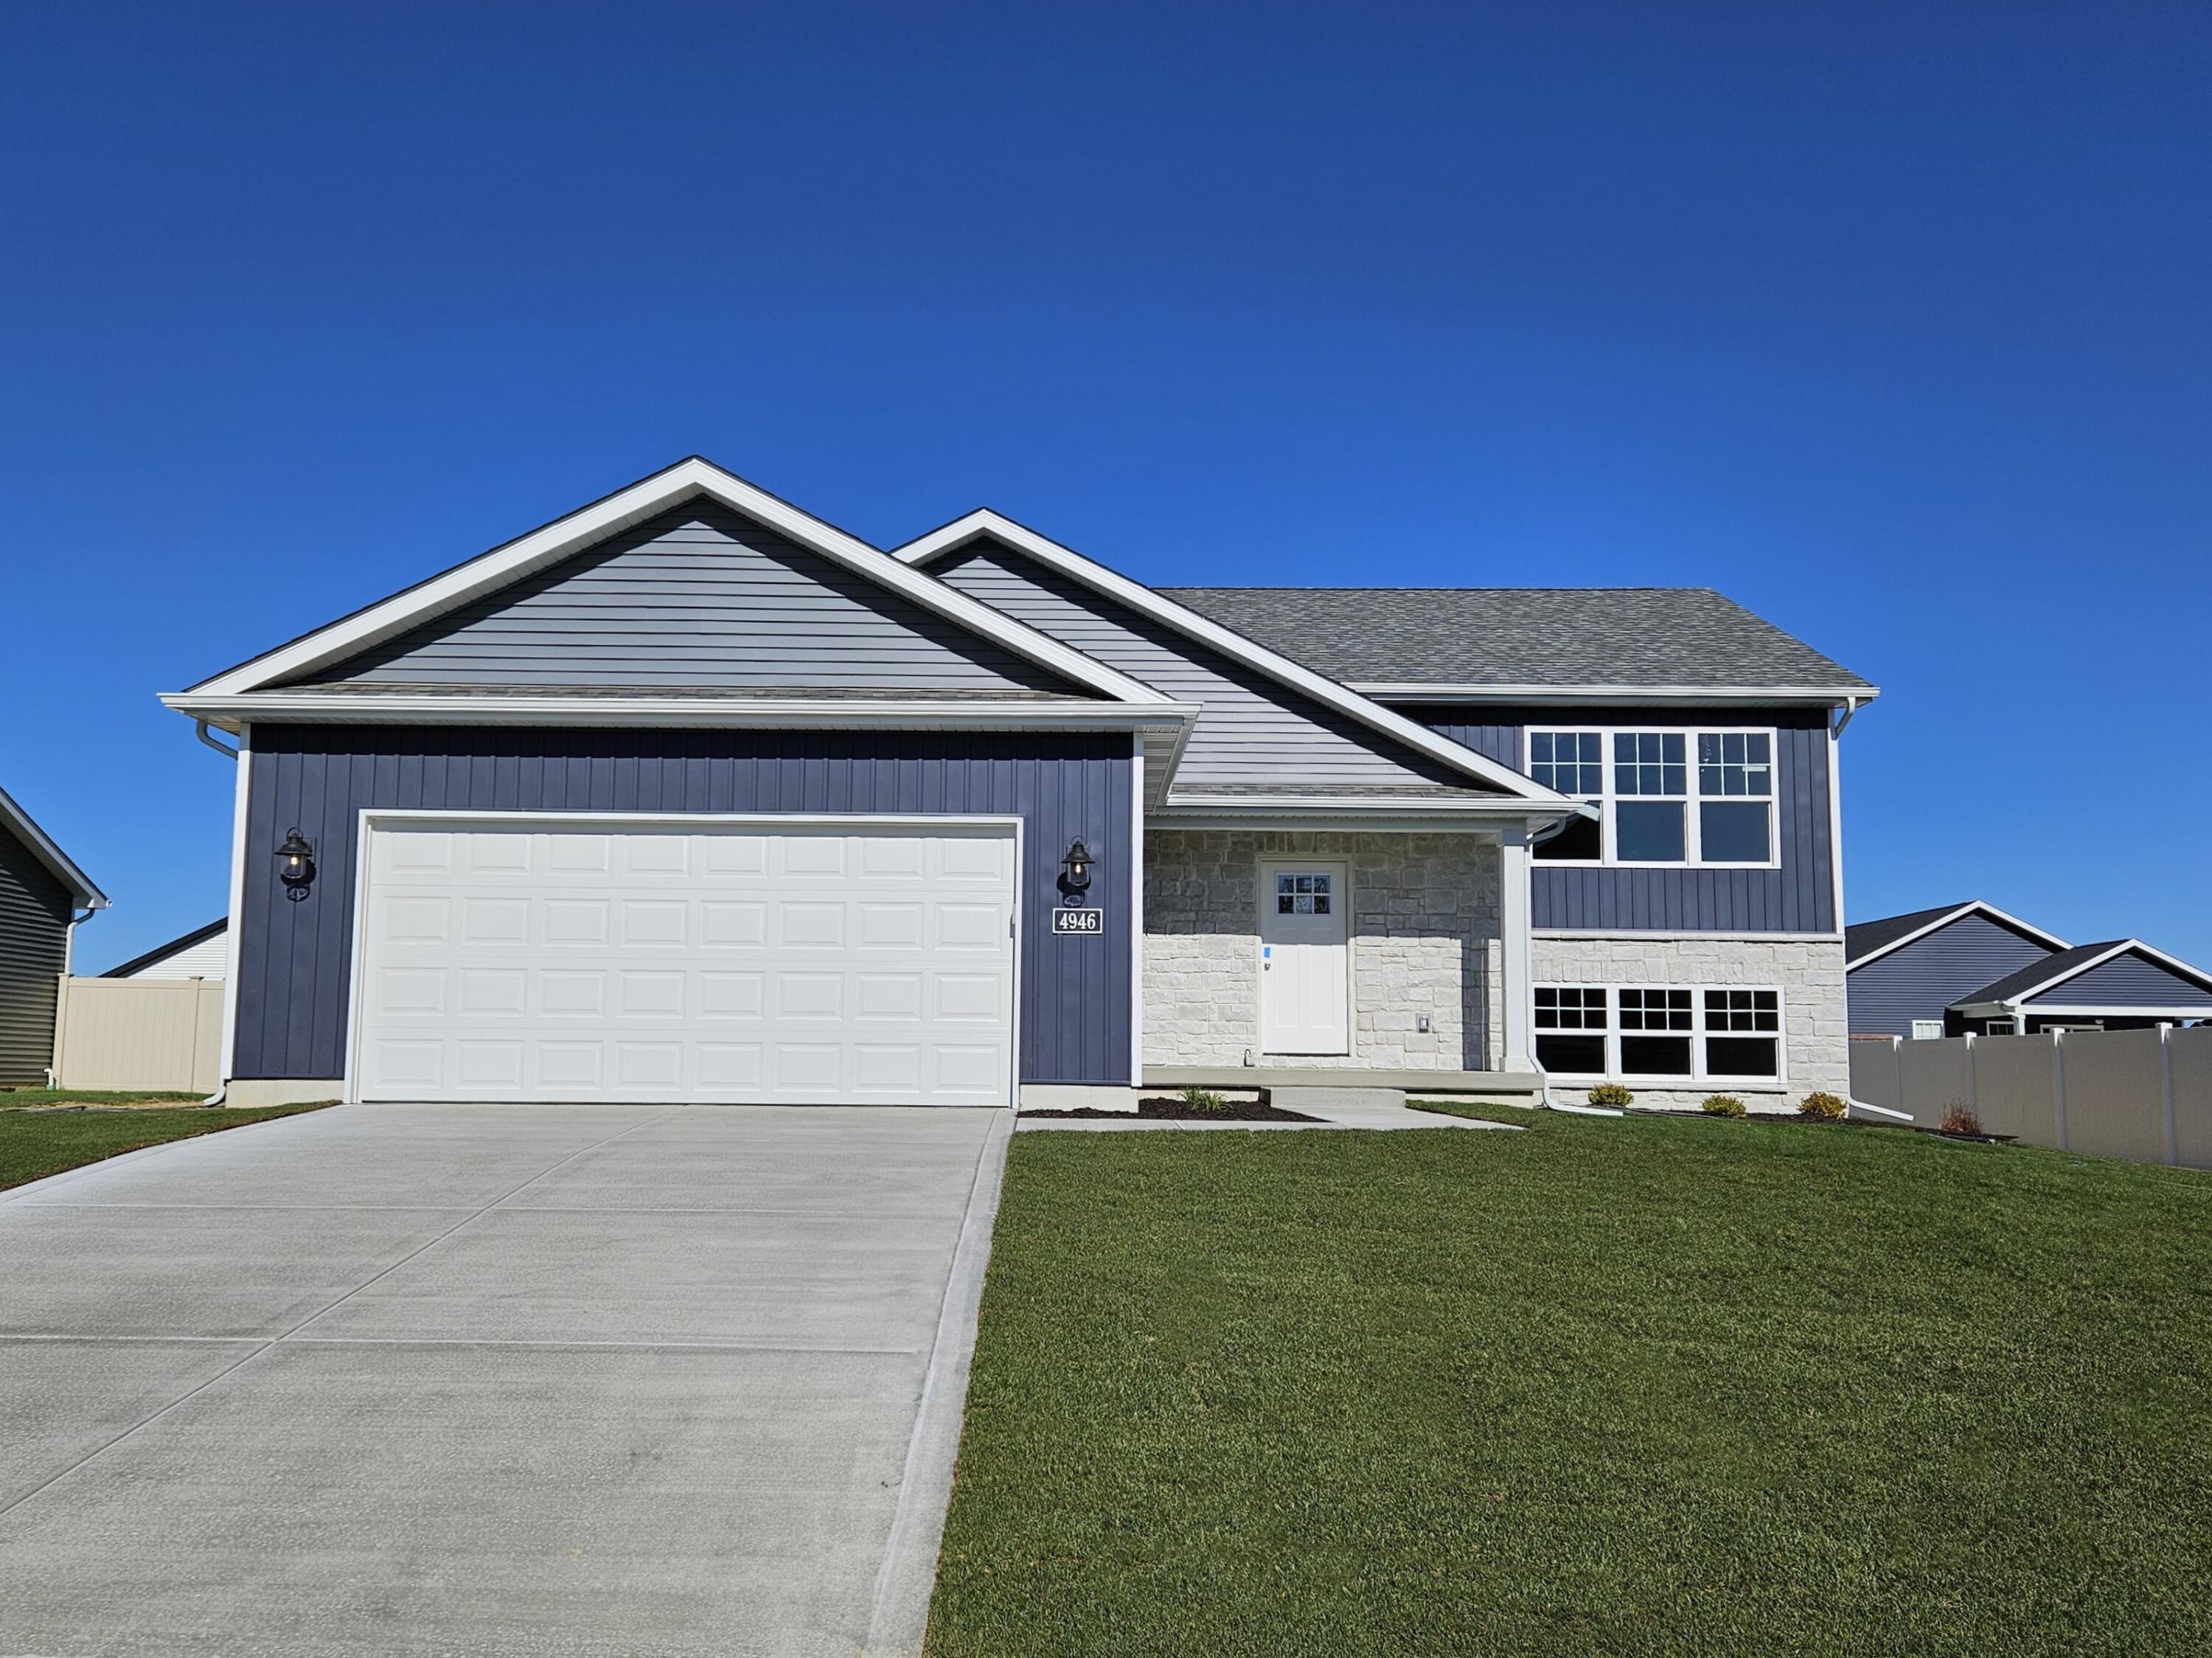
(553,961)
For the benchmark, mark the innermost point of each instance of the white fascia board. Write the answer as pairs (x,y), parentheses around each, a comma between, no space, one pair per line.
(57,863)
(267,707)
(1292,811)
(1190,624)
(685,481)
(1567,695)
(1972,907)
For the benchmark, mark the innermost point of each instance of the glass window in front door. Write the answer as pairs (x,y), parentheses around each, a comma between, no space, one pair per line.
(1302,895)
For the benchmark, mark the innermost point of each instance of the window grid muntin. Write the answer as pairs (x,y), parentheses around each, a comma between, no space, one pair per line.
(1709,1019)
(1736,765)
(1573,763)
(1571,1007)
(1302,895)
(1753,742)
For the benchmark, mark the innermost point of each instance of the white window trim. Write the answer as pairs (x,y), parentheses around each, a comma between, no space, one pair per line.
(1692,834)
(1698,1076)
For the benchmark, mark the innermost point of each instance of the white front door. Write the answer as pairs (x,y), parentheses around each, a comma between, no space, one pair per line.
(1304,961)
(733,961)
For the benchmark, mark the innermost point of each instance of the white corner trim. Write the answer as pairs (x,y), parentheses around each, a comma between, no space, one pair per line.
(686,480)
(1971,907)
(242,783)
(1189,623)
(903,714)
(1442,691)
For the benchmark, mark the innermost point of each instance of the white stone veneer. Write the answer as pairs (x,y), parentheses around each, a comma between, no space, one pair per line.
(1809,973)
(1424,942)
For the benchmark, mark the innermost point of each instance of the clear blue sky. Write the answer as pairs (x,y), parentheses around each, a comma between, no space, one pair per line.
(1892,324)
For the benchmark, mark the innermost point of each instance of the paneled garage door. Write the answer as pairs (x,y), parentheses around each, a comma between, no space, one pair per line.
(592,961)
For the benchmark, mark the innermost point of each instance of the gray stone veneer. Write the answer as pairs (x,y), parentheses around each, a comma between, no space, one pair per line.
(1809,972)
(1424,942)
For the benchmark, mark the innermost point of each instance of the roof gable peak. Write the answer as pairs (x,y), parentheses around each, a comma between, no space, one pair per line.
(549,544)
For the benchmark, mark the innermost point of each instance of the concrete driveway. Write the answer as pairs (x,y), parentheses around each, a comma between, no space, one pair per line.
(491,1380)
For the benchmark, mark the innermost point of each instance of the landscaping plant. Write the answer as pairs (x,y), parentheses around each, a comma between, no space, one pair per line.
(1611,1094)
(1722,1105)
(1958,1118)
(1822,1108)
(1203,1100)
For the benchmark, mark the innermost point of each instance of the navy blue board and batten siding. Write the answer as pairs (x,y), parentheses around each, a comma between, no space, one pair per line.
(34,915)
(295,958)
(1799,896)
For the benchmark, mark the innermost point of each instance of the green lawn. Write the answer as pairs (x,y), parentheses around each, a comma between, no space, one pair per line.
(1604,1385)
(17,1099)
(36,1143)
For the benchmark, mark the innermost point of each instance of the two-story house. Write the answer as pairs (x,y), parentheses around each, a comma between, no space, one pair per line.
(692,795)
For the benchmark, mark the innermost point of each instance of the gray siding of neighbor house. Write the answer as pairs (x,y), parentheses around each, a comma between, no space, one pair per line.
(1798,897)
(295,959)
(1254,731)
(34,912)
(699,596)
(2129,980)
(1919,981)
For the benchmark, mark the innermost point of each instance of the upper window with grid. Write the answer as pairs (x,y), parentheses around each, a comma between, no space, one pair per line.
(1661,797)
(1569,762)
(1302,895)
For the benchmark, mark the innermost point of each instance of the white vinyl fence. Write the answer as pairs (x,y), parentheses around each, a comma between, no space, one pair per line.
(139,1033)
(2145,1095)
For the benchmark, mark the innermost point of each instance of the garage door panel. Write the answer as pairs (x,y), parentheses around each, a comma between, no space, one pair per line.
(732,924)
(735,964)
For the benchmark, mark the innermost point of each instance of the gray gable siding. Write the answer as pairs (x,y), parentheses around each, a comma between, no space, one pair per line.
(699,596)
(2128,981)
(35,912)
(1253,731)
(294,987)
(1798,897)
(1919,981)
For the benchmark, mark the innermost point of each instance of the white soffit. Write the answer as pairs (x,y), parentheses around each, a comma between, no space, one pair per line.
(687,480)
(1189,623)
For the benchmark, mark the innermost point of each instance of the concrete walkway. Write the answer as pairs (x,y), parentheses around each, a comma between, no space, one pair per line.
(491,1380)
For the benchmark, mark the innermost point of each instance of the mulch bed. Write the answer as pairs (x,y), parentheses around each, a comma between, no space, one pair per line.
(1176,1111)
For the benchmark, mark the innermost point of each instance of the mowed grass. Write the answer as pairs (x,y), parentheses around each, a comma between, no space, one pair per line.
(36,1143)
(1600,1385)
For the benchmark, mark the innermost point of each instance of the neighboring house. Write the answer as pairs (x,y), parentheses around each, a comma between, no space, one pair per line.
(41,895)
(690,795)
(1970,967)
(203,953)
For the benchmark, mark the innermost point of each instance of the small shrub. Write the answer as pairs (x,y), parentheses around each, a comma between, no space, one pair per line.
(1823,1107)
(1611,1094)
(1958,1118)
(1722,1105)
(1203,1100)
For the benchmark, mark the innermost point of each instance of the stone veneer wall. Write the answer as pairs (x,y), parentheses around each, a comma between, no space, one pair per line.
(1424,941)
(1815,1022)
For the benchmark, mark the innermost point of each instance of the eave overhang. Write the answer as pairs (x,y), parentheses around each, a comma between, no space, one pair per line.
(1568,696)
(234,713)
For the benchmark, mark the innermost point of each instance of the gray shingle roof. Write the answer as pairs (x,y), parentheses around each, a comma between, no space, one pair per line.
(1624,636)
(1864,937)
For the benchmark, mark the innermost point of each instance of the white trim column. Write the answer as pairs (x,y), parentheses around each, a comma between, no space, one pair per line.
(1516,994)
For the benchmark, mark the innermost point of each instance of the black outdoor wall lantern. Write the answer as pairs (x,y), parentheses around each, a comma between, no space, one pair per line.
(295,865)
(1075,870)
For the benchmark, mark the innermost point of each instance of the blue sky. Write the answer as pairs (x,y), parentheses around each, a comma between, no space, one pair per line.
(1892,324)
